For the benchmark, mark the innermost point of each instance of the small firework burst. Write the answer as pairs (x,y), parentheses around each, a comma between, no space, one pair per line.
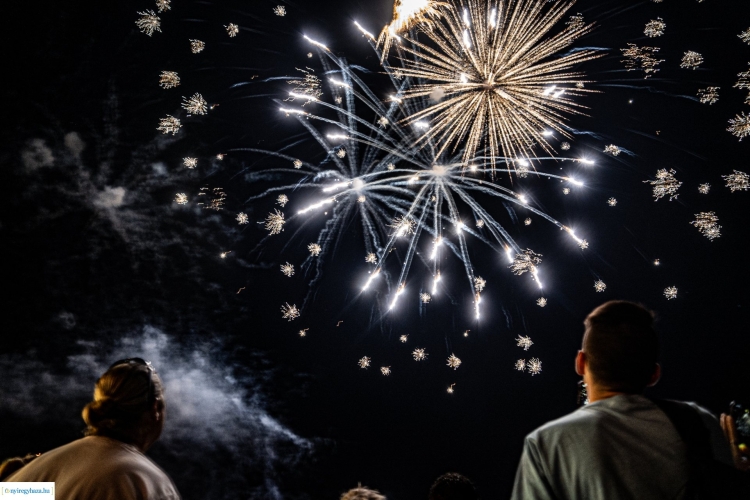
(314,249)
(287,269)
(223,255)
(738,181)
(403,338)
(297,164)
(522,171)
(338,100)
(391,166)
(149,22)
(419,354)
(308,85)
(565,146)
(691,60)
(361,198)
(181,199)
(190,162)
(341,153)
(453,361)
(383,121)
(242,218)
(704,188)
(216,198)
(566,190)
(425,297)
(195,105)
(524,342)
(282,200)
(371,258)
(576,22)
(534,366)
(612,202)
(450,389)
(525,261)
(279,10)
(169,125)
(232,30)
(612,149)
(364,362)
(303,333)
(479,283)
(670,292)
(600,286)
(403,226)
(288,312)
(708,225)
(466,333)
(385,370)
(580,85)
(169,79)
(641,58)
(220,156)
(480,223)
(655,28)
(583,244)
(739,126)
(163,5)
(665,184)
(527,221)
(657,262)
(745,36)
(541,302)
(274,223)
(709,95)
(520,365)
(197,46)
(309,55)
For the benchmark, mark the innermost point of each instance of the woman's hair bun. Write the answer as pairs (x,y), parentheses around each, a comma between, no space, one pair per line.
(100,413)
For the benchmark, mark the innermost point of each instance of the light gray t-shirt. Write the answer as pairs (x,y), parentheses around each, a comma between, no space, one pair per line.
(623,447)
(99,468)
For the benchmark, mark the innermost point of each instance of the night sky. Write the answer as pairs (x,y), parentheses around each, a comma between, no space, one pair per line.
(99,263)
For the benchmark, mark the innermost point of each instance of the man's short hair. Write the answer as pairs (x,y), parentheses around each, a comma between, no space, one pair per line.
(621,346)
(453,486)
(362,493)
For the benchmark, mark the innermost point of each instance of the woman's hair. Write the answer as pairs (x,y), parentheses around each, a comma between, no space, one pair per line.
(123,399)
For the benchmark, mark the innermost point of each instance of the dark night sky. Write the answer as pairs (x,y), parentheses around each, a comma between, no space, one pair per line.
(99,262)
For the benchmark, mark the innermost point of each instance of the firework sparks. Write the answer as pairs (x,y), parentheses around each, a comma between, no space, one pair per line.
(169,80)
(583,244)
(371,258)
(745,36)
(181,199)
(525,261)
(288,312)
(704,188)
(520,365)
(149,22)
(190,162)
(739,126)
(242,218)
(534,366)
(541,302)
(480,224)
(566,191)
(195,105)
(232,30)
(279,10)
(453,361)
(197,46)
(385,370)
(503,85)
(612,149)
(670,292)
(163,5)
(308,87)
(419,354)
(403,338)
(364,362)
(314,249)
(406,15)
(479,283)
(169,125)
(287,269)
(738,181)
(655,28)
(403,226)
(341,153)
(708,225)
(527,221)
(600,286)
(665,184)
(524,342)
(612,202)
(425,297)
(565,146)
(274,223)
(642,58)
(303,333)
(282,200)
(691,60)
(451,389)
(709,95)
(297,164)
(217,198)
(657,262)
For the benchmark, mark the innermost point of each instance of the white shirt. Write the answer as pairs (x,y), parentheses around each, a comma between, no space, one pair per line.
(99,468)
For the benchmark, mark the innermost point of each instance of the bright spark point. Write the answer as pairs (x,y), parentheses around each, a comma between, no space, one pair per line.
(657,262)
(450,389)
(670,292)
(369,280)
(364,362)
(524,342)
(398,294)
(454,362)
(287,269)
(364,31)
(600,286)
(289,313)
(242,218)
(314,249)
(181,199)
(419,354)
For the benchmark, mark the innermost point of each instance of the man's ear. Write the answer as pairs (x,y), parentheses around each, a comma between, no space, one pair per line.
(581,363)
(655,376)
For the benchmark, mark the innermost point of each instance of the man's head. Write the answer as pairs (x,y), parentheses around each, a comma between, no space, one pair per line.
(362,493)
(620,347)
(453,486)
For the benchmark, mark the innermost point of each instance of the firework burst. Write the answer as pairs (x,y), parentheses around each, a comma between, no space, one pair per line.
(708,225)
(738,181)
(453,361)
